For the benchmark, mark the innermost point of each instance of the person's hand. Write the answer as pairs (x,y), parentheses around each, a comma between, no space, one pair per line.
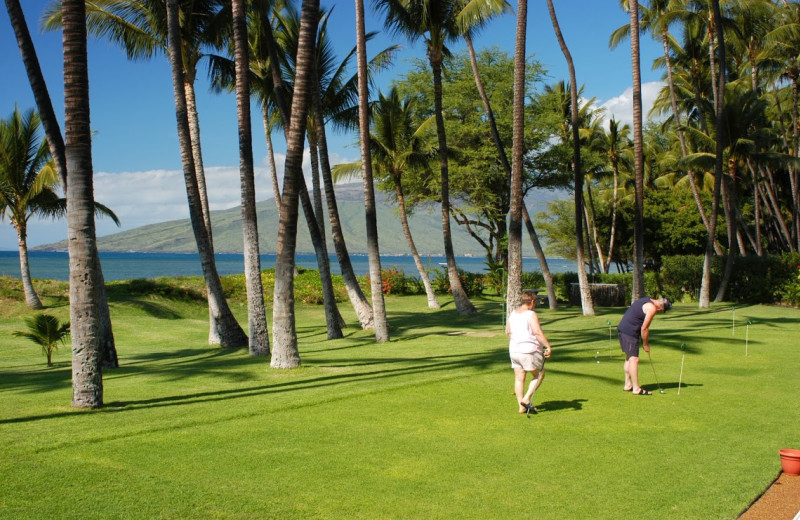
(547,352)
(646,348)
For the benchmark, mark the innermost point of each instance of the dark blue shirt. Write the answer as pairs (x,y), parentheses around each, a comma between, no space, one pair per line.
(631,322)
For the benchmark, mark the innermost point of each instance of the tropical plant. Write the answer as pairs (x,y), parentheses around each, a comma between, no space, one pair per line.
(46,331)
(27,185)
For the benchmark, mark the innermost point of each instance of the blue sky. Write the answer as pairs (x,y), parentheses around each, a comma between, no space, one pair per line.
(135,149)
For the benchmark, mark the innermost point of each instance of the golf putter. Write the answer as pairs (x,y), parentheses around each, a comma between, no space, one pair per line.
(660,391)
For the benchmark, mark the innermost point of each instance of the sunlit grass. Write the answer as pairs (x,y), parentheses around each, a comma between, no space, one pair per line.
(423,426)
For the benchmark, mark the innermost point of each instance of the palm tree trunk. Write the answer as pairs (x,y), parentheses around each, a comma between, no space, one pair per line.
(613,233)
(433,302)
(537,248)
(256,311)
(39,87)
(285,353)
(56,144)
(378,305)
(705,284)
(638,157)
(197,153)
(224,329)
(460,298)
(501,152)
(359,302)
(514,286)
(87,371)
(273,169)
(31,298)
(333,319)
(583,281)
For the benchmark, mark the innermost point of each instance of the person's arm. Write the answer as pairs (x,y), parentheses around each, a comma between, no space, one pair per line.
(649,313)
(536,328)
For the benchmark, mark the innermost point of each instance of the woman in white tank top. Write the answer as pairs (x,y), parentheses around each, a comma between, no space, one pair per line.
(525,342)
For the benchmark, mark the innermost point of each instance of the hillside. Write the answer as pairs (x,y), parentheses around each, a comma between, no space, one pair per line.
(177,236)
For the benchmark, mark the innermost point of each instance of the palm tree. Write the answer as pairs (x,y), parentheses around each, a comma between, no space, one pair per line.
(638,157)
(396,145)
(583,281)
(285,353)
(46,331)
(438,22)
(140,27)
(27,179)
(256,312)
(224,328)
(719,126)
(373,251)
(514,284)
(84,271)
(56,143)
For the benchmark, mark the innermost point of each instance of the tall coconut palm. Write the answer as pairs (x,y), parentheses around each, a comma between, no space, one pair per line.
(438,22)
(638,157)
(396,147)
(56,142)
(140,27)
(373,250)
(514,284)
(224,328)
(27,179)
(256,312)
(285,353)
(583,281)
(719,126)
(84,279)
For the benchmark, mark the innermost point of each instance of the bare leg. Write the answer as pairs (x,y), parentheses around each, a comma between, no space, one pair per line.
(632,373)
(519,385)
(628,383)
(538,376)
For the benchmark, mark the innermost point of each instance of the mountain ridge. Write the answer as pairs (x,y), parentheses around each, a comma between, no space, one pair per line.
(176,236)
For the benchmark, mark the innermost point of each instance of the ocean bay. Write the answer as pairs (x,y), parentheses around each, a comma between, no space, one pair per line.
(54,265)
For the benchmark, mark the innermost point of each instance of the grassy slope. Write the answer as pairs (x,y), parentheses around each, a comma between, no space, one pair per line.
(421,427)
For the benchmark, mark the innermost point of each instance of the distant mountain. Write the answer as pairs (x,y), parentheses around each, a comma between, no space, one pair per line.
(426,227)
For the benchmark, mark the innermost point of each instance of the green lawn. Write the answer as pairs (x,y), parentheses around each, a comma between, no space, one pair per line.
(424,426)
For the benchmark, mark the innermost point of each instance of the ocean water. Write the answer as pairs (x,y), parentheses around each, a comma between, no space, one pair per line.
(125,266)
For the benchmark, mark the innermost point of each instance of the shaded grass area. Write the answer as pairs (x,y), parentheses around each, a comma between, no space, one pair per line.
(423,426)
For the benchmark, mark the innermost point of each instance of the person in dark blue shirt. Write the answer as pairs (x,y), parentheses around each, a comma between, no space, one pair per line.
(633,326)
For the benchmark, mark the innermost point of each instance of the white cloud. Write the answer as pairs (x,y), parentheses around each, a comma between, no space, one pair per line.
(621,107)
(149,197)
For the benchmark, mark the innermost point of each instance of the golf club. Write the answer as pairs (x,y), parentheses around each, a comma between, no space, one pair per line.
(660,391)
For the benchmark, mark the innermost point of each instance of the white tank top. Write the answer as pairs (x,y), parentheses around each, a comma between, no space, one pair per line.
(522,340)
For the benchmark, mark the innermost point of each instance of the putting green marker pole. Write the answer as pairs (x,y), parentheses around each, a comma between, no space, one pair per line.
(680,376)
(608,322)
(746,336)
(733,321)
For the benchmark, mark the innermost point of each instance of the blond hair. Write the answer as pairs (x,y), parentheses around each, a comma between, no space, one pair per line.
(528,297)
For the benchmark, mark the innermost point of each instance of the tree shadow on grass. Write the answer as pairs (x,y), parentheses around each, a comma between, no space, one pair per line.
(557,406)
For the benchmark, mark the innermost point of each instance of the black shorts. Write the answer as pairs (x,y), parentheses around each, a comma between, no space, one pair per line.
(629,344)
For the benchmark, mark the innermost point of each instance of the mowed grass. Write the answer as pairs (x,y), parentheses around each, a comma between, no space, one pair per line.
(423,426)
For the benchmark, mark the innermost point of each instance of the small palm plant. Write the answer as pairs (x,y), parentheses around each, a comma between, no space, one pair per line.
(45,330)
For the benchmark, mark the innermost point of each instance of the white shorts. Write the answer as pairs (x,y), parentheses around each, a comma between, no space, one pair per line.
(528,362)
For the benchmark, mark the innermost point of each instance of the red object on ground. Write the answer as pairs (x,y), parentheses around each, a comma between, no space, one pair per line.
(790,461)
